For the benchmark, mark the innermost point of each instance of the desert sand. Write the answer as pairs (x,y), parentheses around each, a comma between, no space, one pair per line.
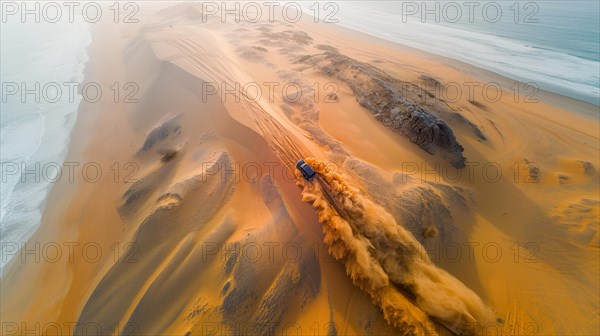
(489,226)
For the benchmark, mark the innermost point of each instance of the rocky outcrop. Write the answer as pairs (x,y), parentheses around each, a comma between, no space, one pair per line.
(169,128)
(391,102)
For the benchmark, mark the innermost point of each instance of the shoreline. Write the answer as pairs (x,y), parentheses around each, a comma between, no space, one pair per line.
(556,99)
(566,88)
(39,155)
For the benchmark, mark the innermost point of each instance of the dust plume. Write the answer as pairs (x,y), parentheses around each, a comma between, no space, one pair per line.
(387,262)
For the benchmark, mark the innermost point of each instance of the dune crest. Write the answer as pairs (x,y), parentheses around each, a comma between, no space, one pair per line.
(387,262)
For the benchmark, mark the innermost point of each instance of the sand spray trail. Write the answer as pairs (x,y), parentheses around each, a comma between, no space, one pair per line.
(386,261)
(380,256)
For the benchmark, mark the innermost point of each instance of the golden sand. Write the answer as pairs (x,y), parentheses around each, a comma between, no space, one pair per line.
(205,236)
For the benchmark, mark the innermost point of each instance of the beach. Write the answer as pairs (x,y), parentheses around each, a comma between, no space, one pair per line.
(193,219)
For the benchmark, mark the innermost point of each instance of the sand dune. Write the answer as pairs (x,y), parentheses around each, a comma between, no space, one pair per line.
(214,235)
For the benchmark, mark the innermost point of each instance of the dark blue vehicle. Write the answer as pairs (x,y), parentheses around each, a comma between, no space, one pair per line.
(305,169)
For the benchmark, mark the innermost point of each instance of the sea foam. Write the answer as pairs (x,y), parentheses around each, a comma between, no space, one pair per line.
(34,130)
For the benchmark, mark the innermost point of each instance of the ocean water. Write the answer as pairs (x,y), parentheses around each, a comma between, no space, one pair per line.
(553,44)
(35,129)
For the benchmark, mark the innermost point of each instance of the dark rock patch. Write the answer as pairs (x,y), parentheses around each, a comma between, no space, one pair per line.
(389,100)
(167,129)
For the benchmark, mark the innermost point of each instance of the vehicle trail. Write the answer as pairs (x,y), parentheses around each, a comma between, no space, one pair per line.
(388,263)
